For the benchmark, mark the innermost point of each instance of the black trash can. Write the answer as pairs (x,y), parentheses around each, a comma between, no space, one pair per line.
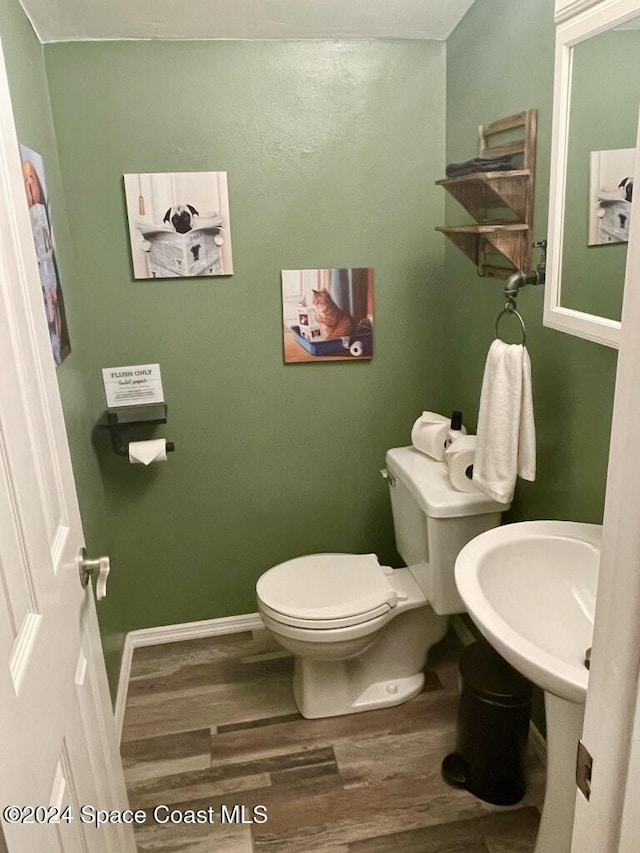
(493,728)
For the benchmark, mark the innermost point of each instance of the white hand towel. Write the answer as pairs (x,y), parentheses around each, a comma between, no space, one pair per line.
(506,445)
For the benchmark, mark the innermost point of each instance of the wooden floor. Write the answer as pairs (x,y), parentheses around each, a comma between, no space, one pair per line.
(212,723)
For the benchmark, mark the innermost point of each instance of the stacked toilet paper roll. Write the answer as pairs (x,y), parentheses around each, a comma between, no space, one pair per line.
(459,457)
(430,434)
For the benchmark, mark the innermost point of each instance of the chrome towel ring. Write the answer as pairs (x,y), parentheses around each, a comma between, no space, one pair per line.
(509,308)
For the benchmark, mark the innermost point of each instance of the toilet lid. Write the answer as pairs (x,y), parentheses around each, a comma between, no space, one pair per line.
(327,589)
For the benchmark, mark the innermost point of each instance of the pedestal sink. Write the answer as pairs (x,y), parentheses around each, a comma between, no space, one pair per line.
(530,588)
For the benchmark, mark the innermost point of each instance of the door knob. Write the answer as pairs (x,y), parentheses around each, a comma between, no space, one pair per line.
(100,568)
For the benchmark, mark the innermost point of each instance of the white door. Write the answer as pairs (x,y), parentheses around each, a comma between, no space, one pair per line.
(609,821)
(58,744)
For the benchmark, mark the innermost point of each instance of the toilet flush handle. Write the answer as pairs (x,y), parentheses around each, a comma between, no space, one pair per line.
(387,475)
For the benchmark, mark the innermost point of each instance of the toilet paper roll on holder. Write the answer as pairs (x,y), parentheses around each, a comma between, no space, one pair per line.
(124,418)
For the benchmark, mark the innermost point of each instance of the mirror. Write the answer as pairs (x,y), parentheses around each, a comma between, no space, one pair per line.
(594,139)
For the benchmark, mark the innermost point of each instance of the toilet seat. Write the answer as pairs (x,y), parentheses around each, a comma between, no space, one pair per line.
(323,591)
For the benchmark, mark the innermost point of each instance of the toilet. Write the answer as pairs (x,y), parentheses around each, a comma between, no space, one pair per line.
(360,632)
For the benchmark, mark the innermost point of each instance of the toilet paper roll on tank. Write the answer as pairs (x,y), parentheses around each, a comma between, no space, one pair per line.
(446,440)
(459,457)
(433,433)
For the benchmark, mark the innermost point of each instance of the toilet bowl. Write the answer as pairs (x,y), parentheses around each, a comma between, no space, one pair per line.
(360,632)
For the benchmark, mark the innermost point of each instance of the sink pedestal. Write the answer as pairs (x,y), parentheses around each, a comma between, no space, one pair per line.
(564,729)
(531,588)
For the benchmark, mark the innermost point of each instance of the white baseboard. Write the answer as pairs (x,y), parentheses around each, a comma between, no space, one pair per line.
(123,685)
(538,743)
(174,634)
(465,634)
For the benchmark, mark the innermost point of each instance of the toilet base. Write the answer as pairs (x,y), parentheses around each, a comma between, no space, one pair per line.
(336,702)
(386,673)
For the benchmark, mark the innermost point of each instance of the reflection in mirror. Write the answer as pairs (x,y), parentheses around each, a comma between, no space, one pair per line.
(603,118)
(595,120)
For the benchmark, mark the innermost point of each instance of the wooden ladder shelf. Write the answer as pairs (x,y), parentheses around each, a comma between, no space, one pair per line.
(489,197)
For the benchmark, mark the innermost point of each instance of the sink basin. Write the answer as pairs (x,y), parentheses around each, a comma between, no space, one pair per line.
(530,588)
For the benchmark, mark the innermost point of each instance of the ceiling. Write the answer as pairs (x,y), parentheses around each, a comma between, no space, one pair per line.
(90,20)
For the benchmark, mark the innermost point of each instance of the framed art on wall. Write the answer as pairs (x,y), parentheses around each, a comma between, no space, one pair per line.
(327,314)
(179,224)
(35,185)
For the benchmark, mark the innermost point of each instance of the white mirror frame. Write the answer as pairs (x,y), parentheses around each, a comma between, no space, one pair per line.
(597,19)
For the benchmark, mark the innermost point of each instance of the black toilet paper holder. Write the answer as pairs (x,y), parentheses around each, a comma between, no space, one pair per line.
(123,418)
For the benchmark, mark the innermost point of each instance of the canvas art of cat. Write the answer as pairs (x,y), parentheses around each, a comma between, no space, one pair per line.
(334,322)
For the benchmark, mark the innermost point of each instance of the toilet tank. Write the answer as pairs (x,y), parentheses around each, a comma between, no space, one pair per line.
(433,521)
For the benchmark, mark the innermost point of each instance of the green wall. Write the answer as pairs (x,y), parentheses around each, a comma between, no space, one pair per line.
(332,150)
(500,61)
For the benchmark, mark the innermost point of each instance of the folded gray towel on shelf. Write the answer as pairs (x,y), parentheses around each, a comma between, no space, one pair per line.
(479,164)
